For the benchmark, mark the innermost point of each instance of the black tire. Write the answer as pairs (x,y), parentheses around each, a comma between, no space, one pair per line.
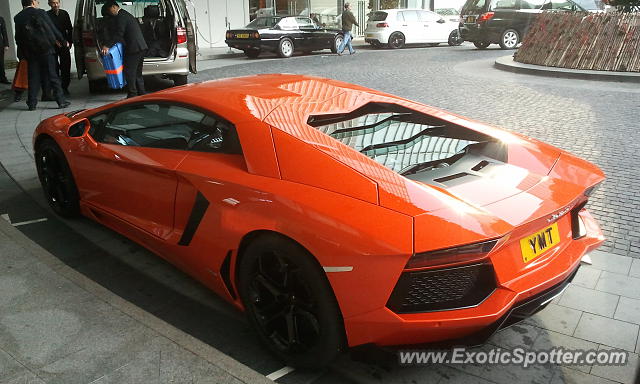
(454,38)
(180,80)
(336,43)
(252,53)
(285,48)
(280,285)
(396,40)
(481,44)
(56,179)
(96,86)
(509,39)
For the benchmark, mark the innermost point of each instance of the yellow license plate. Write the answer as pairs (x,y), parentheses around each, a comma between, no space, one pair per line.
(242,36)
(534,245)
(471,19)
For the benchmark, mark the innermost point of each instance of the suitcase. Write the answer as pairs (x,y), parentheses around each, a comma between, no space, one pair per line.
(113,65)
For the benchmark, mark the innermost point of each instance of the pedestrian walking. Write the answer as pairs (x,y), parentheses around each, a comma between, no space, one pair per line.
(348,21)
(36,38)
(126,30)
(4,39)
(60,18)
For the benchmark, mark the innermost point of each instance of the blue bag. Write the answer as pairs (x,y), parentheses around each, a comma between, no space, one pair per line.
(113,67)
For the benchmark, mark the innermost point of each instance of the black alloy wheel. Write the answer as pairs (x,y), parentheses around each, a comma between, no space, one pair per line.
(56,179)
(396,40)
(289,301)
(454,38)
(481,44)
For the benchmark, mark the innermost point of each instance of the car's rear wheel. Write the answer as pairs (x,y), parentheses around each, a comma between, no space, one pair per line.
(285,47)
(481,44)
(337,41)
(180,80)
(289,301)
(396,40)
(454,38)
(509,39)
(252,53)
(56,179)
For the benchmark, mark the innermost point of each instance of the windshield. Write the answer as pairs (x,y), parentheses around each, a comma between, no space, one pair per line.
(263,22)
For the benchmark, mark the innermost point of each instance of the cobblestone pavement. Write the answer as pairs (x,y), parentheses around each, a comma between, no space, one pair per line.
(595,120)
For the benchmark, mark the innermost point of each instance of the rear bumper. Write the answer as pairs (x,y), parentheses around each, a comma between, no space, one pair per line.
(512,301)
(481,33)
(263,44)
(376,37)
(177,64)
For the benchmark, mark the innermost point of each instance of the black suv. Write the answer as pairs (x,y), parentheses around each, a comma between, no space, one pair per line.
(505,22)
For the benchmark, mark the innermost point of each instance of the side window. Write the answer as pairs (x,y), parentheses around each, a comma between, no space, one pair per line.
(410,16)
(168,126)
(531,4)
(305,22)
(563,5)
(428,16)
(288,23)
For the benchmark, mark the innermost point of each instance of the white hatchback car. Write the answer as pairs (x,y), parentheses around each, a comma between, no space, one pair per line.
(396,27)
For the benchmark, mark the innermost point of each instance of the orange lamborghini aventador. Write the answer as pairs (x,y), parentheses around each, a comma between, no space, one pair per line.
(333,215)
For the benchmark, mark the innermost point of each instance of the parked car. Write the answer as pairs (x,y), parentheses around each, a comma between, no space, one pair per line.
(283,35)
(506,22)
(333,215)
(166,26)
(394,28)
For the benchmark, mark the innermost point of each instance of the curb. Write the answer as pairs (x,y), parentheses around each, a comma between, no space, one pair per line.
(506,63)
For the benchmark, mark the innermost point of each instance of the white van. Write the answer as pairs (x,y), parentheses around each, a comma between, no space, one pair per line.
(167,28)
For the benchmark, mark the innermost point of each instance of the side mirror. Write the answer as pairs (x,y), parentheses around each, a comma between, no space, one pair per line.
(441,21)
(79,128)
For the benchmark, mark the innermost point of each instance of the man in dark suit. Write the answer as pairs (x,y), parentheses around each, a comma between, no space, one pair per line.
(60,18)
(4,39)
(126,30)
(40,56)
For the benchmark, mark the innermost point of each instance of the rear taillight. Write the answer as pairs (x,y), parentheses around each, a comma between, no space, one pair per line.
(228,35)
(181,33)
(255,35)
(88,40)
(457,255)
(485,16)
(382,25)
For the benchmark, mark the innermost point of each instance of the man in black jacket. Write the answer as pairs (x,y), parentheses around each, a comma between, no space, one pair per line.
(60,18)
(40,56)
(4,39)
(126,30)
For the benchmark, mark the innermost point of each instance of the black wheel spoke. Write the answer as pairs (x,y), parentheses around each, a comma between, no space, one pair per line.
(274,290)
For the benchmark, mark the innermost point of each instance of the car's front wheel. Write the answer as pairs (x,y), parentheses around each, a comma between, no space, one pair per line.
(285,47)
(337,42)
(509,39)
(289,301)
(56,179)
(481,44)
(396,40)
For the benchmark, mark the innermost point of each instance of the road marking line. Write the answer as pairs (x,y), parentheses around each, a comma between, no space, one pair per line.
(279,373)
(29,222)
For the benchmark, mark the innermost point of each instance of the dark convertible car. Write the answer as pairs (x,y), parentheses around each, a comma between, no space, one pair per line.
(283,35)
